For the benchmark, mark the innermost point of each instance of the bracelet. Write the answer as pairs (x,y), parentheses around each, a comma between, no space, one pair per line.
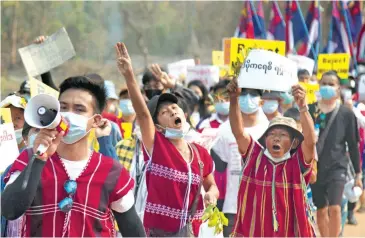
(304,109)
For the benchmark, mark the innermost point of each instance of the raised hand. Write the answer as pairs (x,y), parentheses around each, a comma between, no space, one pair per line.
(233,89)
(162,76)
(124,62)
(299,95)
(40,39)
(104,129)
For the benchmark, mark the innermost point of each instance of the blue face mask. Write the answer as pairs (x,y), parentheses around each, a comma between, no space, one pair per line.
(287,98)
(249,104)
(222,108)
(126,107)
(270,106)
(327,92)
(78,127)
(172,133)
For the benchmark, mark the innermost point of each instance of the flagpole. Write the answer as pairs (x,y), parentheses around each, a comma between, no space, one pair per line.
(263,34)
(305,28)
(344,13)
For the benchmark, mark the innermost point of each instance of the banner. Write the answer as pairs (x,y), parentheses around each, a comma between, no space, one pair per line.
(8,146)
(303,62)
(217,58)
(37,87)
(338,62)
(54,51)
(312,91)
(207,74)
(241,47)
(127,129)
(179,69)
(267,70)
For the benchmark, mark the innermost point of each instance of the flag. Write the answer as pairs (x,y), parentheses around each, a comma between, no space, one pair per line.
(313,24)
(360,56)
(338,40)
(355,12)
(277,24)
(293,18)
(258,20)
(245,28)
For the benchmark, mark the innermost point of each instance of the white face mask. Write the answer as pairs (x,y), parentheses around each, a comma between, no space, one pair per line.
(78,126)
(286,156)
(172,133)
(18,136)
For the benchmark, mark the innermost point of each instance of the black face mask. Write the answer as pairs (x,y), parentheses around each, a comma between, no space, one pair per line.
(150,93)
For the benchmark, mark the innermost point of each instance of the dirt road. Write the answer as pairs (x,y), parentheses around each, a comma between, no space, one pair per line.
(356,231)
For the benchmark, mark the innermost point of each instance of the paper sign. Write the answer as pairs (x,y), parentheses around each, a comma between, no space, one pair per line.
(217,58)
(54,51)
(361,89)
(223,71)
(5,115)
(227,50)
(338,62)
(37,87)
(8,146)
(207,138)
(127,129)
(267,70)
(207,74)
(178,70)
(241,47)
(303,62)
(312,91)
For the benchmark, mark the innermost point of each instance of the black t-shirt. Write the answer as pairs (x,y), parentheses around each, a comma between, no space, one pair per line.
(333,161)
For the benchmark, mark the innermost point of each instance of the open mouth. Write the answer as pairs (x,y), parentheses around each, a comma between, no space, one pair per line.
(276,147)
(177,121)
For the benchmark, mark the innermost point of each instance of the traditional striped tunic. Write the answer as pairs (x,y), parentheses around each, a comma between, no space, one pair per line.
(272,197)
(103,181)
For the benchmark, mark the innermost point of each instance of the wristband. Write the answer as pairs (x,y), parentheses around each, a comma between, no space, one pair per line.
(304,109)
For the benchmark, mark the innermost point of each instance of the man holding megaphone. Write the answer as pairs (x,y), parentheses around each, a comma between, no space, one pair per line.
(66,178)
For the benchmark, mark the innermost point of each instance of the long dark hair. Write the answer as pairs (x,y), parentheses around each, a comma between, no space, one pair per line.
(203,109)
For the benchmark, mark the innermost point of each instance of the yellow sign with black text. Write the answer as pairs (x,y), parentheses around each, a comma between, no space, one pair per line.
(5,115)
(311,89)
(241,47)
(37,87)
(338,62)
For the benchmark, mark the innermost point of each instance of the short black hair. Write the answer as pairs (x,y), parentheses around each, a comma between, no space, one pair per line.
(332,73)
(293,113)
(148,76)
(220,85)
(303,72)
(85,83)
(123,92)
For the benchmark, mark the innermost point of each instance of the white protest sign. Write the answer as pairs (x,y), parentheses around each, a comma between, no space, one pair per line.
(208,137)
(303,62)
(8,146)
(267,70)
(207,74)
(362,87)
(54,51)
(178,70)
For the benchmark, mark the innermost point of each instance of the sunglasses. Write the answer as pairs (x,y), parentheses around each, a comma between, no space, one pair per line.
(70,187)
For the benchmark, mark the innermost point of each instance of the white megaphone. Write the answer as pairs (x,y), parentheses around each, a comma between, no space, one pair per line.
(43,111)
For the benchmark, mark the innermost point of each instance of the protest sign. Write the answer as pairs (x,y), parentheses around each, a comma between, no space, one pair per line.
(312,91)
(207,138)
(54,51)
(267,70)
(207,74)
(226,50)
(127,129)
(179,69)
(217,58)
(8,146)
(37,87)
(240,48)
(338,62)
(303,62)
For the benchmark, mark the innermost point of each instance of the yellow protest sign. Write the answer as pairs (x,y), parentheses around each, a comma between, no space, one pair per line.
(311,89)
(127,129)
(241,47)
(5,115)
(338,62)
(37,87)
(217,58)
